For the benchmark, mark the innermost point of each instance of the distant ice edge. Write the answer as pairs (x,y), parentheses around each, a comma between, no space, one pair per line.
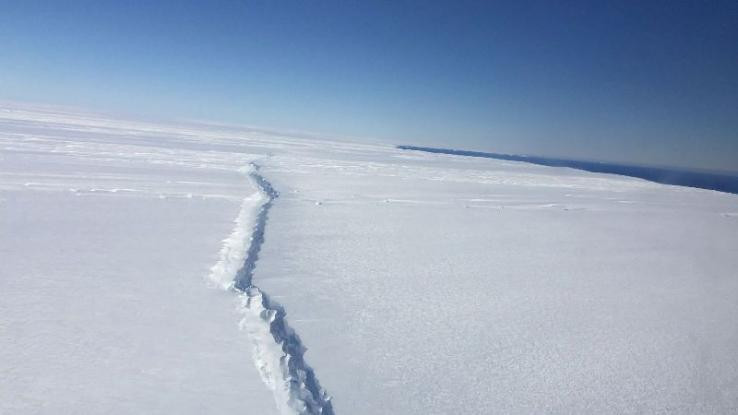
(278,350)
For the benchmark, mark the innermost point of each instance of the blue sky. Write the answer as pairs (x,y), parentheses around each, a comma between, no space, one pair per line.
(643,82)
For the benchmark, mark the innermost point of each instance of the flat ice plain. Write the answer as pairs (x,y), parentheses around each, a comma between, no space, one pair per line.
(419,283)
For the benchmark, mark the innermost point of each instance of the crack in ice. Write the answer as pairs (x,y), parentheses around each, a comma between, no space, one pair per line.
(278,350)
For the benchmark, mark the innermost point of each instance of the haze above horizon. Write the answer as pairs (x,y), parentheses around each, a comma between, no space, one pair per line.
(651,83)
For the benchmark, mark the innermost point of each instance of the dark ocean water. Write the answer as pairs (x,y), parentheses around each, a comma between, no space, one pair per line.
(722,182)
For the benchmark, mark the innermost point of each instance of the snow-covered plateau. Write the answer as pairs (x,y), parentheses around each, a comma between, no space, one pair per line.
(172,268)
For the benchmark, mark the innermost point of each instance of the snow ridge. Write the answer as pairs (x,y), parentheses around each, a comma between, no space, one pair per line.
(278,350)
(237,247)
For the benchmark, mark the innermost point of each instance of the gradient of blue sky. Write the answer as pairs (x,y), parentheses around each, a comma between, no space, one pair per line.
(639,81)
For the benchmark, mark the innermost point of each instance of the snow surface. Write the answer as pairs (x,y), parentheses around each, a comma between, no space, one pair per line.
(105,237)
(161,268)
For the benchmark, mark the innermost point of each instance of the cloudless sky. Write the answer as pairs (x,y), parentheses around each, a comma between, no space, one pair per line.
(652,82)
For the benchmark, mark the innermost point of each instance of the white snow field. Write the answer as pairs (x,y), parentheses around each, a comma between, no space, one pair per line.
(192,268)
